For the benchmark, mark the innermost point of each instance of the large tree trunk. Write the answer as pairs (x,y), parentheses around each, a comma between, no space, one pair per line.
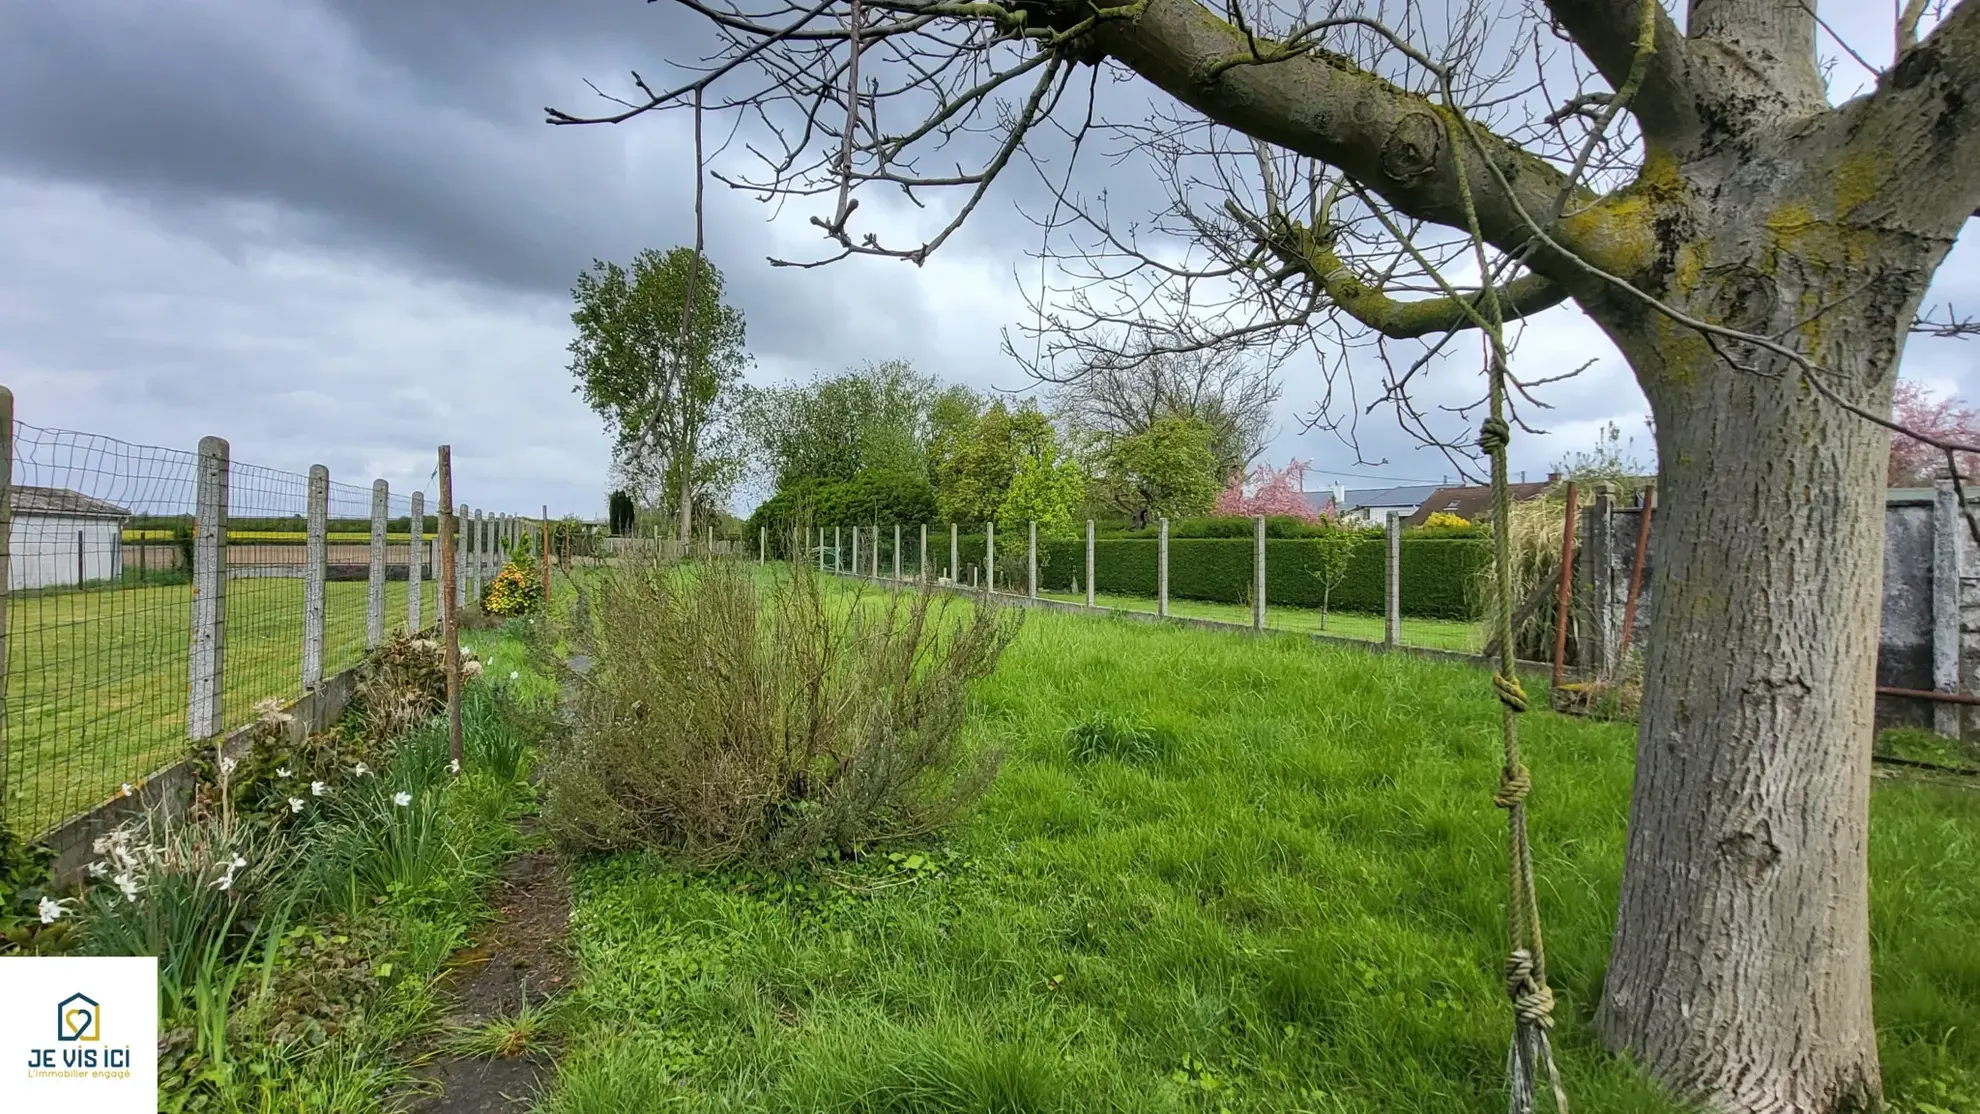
(1739,969)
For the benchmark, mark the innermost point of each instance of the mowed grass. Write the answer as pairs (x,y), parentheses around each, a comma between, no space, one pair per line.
(1287,894)
(1436,634)
(96,685)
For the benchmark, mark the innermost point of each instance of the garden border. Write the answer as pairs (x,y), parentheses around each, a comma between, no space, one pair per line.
(171,788)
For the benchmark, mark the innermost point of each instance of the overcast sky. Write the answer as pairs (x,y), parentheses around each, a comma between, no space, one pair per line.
(338,232)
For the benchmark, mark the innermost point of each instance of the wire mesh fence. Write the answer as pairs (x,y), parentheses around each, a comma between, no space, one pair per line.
(157,598)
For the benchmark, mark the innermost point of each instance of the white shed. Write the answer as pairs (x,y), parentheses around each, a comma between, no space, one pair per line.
(62,538)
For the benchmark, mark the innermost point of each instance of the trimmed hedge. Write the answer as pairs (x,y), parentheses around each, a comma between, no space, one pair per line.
(1440,576)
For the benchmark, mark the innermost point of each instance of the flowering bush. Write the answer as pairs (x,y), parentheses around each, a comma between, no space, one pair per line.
(1446,519)
(516,590)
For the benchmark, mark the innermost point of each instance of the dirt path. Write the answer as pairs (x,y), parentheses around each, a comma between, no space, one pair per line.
(520,958)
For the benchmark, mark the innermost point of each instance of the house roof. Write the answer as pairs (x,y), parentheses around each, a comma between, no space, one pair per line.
(1357,498)
(1472,503)
(61,501)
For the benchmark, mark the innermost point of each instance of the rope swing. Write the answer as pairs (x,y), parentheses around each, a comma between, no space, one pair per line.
(1526,954)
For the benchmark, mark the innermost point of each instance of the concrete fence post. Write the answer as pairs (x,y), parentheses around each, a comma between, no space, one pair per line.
(1089,562)
(855,550)
(477,543)
(1258,572)
(1162,571)
(897,553)
(762,545)
(374,600)
(875,562)
(989,556)
(835,550)
(955,558)
(6,561)
(921,567)
(207,660)
(1600,549)
(316,559)
(1946,530)
(1031,559)
(415,551)
(1392,594)
(821,549)
(460,561)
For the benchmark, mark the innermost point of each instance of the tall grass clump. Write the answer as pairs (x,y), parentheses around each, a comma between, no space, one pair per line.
(729,716)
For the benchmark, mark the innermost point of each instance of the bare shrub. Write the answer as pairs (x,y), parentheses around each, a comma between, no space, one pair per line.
(727,716)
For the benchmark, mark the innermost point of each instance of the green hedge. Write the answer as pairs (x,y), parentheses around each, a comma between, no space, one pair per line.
(1440,576)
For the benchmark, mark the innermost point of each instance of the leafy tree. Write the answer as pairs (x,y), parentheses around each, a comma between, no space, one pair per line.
(656,354)
(1047,486)
(1333,551)
(834,428)
(1167,470)
(1914,463)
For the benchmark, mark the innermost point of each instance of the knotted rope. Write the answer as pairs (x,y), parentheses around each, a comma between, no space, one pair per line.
(1526,959)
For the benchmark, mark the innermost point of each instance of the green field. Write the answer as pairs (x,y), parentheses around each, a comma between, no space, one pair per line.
(1295,905)
(1436,634)
(279,537)
(96,680)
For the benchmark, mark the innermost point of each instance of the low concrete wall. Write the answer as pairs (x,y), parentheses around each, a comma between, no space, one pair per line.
(170,790)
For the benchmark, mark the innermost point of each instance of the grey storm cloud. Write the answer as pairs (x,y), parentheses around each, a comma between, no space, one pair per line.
(340,231)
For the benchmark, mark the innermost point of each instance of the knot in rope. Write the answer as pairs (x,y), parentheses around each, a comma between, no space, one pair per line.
(1494,435)
(1510,694)
(1533,1000)
(1514,785)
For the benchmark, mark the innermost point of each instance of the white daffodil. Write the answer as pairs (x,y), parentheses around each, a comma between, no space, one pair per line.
(128,885)
(128,789)
(402,798)
(454,766)
(50,910)
(99,869)
(227,765)
(281,771)
(316,788)
(226,881)
(295,804)
(361,770)
(515,674)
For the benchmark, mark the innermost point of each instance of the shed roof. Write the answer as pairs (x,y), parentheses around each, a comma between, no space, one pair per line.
(61,501)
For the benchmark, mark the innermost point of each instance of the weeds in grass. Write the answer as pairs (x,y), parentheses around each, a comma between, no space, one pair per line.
(1106,735)
(723,719)
(504,1038)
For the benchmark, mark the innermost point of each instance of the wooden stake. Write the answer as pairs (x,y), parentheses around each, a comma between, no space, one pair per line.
(1567,586)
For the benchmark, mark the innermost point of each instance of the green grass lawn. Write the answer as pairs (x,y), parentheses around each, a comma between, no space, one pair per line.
(1296,905)
(96,680)
(1437,634)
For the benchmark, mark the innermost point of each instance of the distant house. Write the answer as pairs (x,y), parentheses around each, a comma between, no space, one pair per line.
(62,538)
(1474,503)
(1369,504)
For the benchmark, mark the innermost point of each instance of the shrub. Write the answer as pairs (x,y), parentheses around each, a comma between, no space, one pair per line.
(516,590)
(722,719)
(1444,519)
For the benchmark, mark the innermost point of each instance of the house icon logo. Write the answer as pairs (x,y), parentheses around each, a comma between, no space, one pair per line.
(77,1018)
